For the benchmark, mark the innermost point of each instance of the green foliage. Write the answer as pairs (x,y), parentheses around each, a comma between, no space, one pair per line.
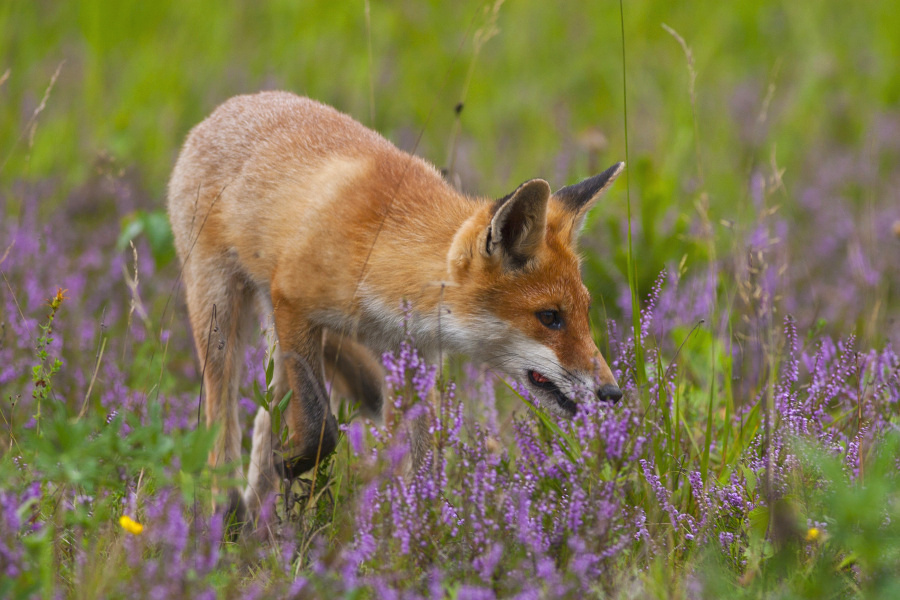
(82,462)
(863,520)
(851,550)
(85,451)
(136,93)
(266,400)
(91,454)
(42,372)
(154,225)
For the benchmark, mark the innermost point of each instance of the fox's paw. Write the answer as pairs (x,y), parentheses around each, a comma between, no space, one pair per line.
(291,468)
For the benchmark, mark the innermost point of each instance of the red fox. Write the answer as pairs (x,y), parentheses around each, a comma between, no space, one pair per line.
(286,205)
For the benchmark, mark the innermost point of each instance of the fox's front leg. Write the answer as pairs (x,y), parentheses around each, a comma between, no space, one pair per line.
(312,429)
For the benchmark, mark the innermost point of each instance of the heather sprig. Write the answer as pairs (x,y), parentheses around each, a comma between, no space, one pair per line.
(42,372)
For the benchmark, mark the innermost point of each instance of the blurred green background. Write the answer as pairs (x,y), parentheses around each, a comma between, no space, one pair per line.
(135,76)
(777,85)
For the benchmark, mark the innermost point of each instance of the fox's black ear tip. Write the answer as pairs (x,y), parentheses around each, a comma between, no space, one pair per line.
(615,169)
(581,196)
(606,178)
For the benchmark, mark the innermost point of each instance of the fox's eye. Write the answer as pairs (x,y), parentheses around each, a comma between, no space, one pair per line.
(549,318)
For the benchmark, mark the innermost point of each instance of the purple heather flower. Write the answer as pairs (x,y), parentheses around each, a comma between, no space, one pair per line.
(355,432)
(726,538)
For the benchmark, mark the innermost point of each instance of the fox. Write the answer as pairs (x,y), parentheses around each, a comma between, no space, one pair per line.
(284,208)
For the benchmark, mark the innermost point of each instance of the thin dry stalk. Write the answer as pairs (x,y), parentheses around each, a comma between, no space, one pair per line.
(87,394)
(6,252)
(31,125)
(692,80)
(136,304)
(482,36)
(763,115)
(371,64)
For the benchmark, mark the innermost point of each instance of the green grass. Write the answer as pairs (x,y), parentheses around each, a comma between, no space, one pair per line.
(134,77)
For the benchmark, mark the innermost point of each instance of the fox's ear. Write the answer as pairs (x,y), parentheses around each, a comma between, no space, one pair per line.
(581,197)
(519,224)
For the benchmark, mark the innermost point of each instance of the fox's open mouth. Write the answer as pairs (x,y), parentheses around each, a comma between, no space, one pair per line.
(541,382)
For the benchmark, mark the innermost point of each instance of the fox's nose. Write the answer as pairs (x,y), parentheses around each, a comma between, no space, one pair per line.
(609,393)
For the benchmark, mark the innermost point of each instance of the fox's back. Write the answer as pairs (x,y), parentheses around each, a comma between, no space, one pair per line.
(254,144)
(273,179)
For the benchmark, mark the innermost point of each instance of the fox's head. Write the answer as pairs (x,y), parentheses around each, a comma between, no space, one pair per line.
(526,309)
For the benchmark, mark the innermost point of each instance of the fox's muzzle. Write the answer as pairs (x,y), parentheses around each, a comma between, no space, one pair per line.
(609,393)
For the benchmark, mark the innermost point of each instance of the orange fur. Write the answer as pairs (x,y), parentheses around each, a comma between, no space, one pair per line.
(284,202)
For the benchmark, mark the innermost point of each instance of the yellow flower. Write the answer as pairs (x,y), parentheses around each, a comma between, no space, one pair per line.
(130,525)
(58,299)
(813,534)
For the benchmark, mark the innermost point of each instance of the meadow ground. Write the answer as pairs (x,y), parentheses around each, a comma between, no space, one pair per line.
(751,315)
